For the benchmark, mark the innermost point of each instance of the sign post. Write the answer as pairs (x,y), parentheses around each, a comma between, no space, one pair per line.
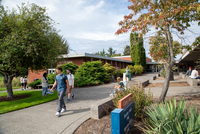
(122,118)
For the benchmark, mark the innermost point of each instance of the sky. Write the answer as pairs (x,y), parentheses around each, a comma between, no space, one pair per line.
(90,25)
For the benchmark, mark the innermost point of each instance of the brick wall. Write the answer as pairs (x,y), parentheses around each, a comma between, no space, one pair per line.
(148,60)
(35,75)
(78,61)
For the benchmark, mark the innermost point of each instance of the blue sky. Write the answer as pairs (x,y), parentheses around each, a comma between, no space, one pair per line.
(90,25)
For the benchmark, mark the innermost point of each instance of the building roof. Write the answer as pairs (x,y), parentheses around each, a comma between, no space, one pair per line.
(93,56)
(127,56)
(188,56)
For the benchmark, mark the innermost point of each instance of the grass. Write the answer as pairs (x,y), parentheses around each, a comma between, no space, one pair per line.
(4,89)
(35,99)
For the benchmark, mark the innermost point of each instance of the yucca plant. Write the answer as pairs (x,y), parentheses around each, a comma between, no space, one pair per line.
(170,118)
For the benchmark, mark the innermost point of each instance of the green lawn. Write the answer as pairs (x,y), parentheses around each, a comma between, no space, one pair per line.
(35,99)
(4,89)
(1,78)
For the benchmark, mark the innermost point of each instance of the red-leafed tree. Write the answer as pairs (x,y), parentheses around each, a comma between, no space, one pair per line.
(164,15)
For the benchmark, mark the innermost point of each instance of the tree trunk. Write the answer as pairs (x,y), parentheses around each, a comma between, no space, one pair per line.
(7,80)
(166,83)
(169,64)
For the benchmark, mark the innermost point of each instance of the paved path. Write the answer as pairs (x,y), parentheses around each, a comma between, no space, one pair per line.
(41,119)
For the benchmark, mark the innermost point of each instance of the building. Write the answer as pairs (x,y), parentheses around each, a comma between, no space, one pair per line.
(78,59)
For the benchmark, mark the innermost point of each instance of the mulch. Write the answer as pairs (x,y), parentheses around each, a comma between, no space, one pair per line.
(16,97)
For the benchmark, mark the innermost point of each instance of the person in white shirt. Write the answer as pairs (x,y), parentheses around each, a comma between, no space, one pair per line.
(195,74)
(25,82)
(22,82)
(71,85)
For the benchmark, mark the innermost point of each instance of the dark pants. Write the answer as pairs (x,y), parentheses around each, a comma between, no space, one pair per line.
(61,100)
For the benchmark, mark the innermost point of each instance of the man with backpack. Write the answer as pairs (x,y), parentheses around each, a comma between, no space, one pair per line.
(71,85)
(62,85)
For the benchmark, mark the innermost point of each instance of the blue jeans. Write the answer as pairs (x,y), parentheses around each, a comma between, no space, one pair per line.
(61,103)
(44,91)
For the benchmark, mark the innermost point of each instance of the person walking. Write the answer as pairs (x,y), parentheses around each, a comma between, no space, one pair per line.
(25,82)
(44,85)
(127,71)
(62,84)
(71,85)
(188,73)
(22,82)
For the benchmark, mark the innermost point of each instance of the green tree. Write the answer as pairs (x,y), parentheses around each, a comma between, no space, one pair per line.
(127,50)
(138,55)
(164,15)
(27,40)
(102,53)
(115,55)
(110,52)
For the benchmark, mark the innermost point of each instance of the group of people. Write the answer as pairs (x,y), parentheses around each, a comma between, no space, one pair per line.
(63,83)
(192,73)
(23,81)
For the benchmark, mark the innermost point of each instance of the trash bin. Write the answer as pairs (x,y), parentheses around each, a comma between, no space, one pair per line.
(36,79)
(129,76)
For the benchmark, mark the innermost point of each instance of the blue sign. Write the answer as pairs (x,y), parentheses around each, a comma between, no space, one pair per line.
(122,120)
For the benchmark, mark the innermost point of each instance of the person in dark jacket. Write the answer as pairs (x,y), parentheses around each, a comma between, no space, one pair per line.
(188,73)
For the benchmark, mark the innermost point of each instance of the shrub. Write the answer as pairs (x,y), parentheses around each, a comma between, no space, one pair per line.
(33,84)
(51,78)
(90,73)
(139,97)
(122,71)
(16,82)
(109,69)
(168,117)
(138,69)
(70,66)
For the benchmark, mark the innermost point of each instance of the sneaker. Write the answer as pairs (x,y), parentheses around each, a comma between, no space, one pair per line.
(73,96)
(63,110)
(68,100)
(57,114)
(50,92)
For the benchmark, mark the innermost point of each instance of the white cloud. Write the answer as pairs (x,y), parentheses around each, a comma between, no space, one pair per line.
(88,25)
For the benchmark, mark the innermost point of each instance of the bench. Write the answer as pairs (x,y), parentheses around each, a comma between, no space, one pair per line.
(192,82)
(40,85)
(101,108)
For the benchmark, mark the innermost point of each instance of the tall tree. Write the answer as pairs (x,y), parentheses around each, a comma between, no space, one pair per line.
(27,40)
(115,55)
(138,55)
(110,52)
(164,15)
(102,53)
(127,50)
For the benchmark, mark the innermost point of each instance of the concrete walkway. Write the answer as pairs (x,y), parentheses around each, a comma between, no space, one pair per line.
(41,119)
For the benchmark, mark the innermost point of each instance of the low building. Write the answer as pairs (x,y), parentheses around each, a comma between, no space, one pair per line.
(79,59)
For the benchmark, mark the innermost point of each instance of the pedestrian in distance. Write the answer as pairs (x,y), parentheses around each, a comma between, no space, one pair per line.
(71,85)
(62,85)
(22,82)
(44,85)
(188,73)
(127,71)
(25,82)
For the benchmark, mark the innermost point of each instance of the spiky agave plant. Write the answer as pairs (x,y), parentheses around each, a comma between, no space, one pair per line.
(172,118)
